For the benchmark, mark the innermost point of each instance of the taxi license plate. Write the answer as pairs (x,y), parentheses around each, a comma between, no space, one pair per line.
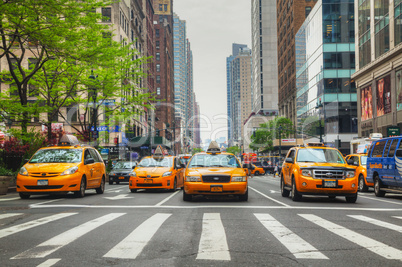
(329,184)
(42,182)
(121,177)
(216,188)
(148,181)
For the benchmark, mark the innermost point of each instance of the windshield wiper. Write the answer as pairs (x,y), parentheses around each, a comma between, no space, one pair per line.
(216,166)
(192,166)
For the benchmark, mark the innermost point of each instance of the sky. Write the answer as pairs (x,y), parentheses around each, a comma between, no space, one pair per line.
(212,26)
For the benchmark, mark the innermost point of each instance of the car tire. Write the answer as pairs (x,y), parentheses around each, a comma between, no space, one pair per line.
(133,190)
(174,186)
(81,193)
(362,184)
(351,199)
(377,187)
(295,195)
(117,182)
(257,173)
(110,182)
(187,197)
(101,188)
(331,197)
(284,192)
(244,197)
(24,196)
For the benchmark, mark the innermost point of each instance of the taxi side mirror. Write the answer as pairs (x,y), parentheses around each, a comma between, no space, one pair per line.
(399,153)
(289,160)
(350,162)
(89,161)
(133,167)
(182,165)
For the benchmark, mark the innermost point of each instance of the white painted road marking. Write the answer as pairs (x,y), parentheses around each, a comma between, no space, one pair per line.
(379,199)
(28,225)
(295,244)
(118,197)
(213,244)
(8,199)
(8,215)
(166,199)
(390,226)
(264,195)
(55,243)
(134,243)
(377,247)
(49,262)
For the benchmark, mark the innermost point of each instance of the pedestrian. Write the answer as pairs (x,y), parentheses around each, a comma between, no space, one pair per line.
(275,170)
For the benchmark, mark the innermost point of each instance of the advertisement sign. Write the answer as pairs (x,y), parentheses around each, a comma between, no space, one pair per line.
(398,86)
(55,127)
(115,129)
(284,141)
(366,100)
(383,96)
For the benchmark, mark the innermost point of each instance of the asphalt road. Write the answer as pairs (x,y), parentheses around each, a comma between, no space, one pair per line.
(157,228)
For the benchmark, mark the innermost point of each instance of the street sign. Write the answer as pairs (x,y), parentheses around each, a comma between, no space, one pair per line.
(393,131)
(95,134)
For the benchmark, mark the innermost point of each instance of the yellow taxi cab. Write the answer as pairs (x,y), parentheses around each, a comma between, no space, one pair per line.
(67,167)
(185,158)
(360,160)
(315,169)
(215,173)
(257,170)
(157,172)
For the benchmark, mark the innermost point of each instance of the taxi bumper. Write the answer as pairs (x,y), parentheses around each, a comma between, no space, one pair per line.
(152,183)
(338,187)
(199,188)
(48,185)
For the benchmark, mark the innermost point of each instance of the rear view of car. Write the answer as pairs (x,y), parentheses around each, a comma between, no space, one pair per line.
(121,172)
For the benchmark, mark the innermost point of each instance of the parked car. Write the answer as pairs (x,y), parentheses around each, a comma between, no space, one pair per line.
(121,171)
(360,160)
(257,170)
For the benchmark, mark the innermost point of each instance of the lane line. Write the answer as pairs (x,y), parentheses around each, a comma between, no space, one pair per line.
(131,246)
(382,200)
(213,244)
(116,188)
(63,239)
(8,215)
(49,262)
(8,199)
(49,201)
(295,244)
(166,199)
(28,225)
(398,217)
(377,247)
(270,198)
(378,222)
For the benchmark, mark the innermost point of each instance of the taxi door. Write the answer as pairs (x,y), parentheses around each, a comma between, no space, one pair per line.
(179,172)
(90,169)
(97,167)
(287,167)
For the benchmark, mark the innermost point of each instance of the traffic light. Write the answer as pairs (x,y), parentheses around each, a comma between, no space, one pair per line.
(157,133)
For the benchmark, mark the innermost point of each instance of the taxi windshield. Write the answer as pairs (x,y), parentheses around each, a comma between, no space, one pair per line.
(57,156)
(363,160)
(151,162)
(124,165)
(319,155)
(218,160)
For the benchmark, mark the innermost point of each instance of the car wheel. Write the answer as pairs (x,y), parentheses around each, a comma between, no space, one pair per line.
(174,186)
(362,185)
(117,182)
(133,190)
(24,196)
(187,197)
(284,192)
(101,188)
(257,173)
(244,197)
(377,187)
(81,193)
(351,199)
(295,195)
(331,197)
(110,182)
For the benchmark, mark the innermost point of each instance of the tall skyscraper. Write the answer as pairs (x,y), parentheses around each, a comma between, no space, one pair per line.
(379,66)
(264,57)
(290,16)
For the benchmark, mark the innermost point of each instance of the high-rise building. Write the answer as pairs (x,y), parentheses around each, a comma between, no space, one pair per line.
(379,66)
(264,57)
(325,60)
(290,16)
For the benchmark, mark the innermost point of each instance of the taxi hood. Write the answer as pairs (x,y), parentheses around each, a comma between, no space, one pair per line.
(325,165)
(153,171)
(49,167)
(216,171)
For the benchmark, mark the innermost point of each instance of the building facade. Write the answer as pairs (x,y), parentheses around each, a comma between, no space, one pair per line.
(379,66)
(325,60)
(290,16)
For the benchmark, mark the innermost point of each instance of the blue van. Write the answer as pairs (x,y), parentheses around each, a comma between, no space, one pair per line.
(384,165)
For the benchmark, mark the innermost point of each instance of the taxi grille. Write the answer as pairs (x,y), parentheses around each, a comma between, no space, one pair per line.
(121,174)
(148,185)
(148,177)
(45,174)
(328,174)
(216,178)
(41,187)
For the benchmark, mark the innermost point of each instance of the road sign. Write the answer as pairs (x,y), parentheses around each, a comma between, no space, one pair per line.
(393,131)
(95,134)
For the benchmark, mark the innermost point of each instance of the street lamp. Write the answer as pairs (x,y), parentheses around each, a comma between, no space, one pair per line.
(95,112)
(318,106)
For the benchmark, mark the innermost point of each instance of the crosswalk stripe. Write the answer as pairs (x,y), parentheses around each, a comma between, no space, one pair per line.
(134,243)
(378,222)
(377,247)
(55,243)
(28,225)
(49,262)
(398,217)
(213,244)
(295,244)
(8,215)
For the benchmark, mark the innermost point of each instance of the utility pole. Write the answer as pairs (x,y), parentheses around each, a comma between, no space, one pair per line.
(319,107)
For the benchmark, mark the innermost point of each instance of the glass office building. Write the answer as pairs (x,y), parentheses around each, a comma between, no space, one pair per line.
(325,60)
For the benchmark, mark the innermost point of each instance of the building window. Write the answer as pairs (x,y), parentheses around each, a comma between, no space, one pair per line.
(157,44)
(308,10)
(158,79)
(106,14)
(157,32)
(398,22)
(158,56)
(158,90)
(158,67)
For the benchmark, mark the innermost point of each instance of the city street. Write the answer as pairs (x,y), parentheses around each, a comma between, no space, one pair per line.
(157,228)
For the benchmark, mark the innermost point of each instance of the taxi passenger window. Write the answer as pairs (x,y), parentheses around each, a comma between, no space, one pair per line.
(393,148)
(387,148)
(95,155)
(87,155)
(378,149)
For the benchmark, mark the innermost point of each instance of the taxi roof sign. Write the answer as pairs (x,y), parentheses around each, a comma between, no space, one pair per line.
(68,140)
(213,148)
(158,154)
(315,144)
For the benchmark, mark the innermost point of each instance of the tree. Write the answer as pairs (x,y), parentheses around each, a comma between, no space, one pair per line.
(263,138)
(235,150)
(196,150)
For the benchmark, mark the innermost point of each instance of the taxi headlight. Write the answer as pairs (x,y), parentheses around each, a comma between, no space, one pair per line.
(193,179)
(133,174)
(306,173)
(112,173)
(238,178)
(166,174)
(23,171)
(350,174)
(70,171)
